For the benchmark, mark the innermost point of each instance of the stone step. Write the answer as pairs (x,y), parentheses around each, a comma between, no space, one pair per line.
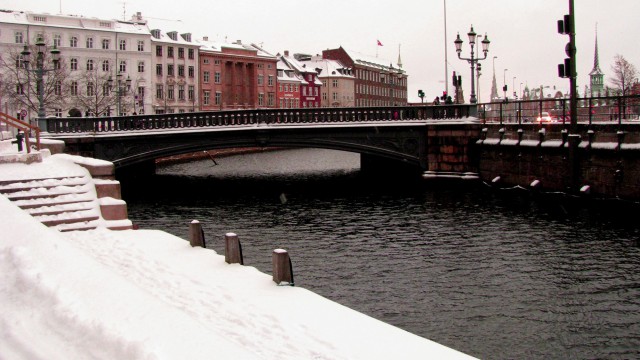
(14,187)
(61,208)
(53,201)
(72,217)
(8,182)
(35,197)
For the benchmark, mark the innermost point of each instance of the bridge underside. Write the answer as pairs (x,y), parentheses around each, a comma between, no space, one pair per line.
(405,144)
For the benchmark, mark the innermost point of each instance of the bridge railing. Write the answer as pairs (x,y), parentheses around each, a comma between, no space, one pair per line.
(192,120)
(590,110)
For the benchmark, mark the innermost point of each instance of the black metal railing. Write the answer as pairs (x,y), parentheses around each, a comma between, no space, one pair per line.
(590,110)
(258,117)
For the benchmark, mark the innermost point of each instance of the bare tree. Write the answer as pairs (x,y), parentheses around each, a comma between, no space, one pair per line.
(95,95)
(625,75)
(18,85)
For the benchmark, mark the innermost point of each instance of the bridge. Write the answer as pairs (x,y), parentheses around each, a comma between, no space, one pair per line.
(403,135)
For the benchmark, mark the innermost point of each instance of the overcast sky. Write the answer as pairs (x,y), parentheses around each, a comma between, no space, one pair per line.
(522,32)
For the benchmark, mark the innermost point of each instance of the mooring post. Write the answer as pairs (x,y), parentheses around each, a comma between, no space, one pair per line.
(232,249)
(282,271)
(196,235)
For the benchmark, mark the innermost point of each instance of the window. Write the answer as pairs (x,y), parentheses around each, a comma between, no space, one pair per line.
(180,53)
(123,44)
(170,51)
(57,112)
(105,44)
(140,45)
(216,77)
(261,99)
(218,98)
(105,65)
(335,96)
(159,69)
(191,54)
(105,89)
(90,89)
(158,50)
(170,70)
(90,65)
(73,41)
(324,96)
(74,64)
(272,99)
(57,88)
(40,18)
(74,88)
(192,92)
(260,79)
(19,37)
(206,97)
(180,92)
(216,62)
(280,88)
(205,77)
(170,92)
(123,66)
(140,66)
(192,71)
(335,83)
(89,43)
(181,70)
(57,40)
(20,89)
(159,91)
(270,80)
(205,61)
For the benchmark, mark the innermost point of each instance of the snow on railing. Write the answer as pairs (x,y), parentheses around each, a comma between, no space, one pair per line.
(26,129)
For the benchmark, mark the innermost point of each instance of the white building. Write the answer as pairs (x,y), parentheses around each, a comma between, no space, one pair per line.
(174,62)
(92,50)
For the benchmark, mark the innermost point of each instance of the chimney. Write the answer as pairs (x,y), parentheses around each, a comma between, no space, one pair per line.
(239,42)
(286,53)
(205,38)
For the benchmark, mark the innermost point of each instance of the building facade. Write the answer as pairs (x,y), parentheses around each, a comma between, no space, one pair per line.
(174,60)
(310,84)
(289,84)
(338,82)
(375,83)
(92,52)
(236,76)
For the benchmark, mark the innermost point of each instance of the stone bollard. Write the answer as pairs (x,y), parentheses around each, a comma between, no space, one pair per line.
(232,249)
(282,269)
(196,234)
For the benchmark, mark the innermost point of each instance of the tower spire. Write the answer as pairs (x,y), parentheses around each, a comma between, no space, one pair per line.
(494,84)
(399,59)
(596,75)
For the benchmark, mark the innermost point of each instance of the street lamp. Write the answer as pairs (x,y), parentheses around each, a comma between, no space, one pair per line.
(472,60)
(120,90)
(40,70)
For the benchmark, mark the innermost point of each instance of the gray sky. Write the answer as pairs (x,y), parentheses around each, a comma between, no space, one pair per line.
(522,32)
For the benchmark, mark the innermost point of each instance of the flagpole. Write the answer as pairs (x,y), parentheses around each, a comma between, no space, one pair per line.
(446,61)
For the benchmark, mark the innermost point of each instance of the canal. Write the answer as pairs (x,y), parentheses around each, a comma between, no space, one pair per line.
(496,275)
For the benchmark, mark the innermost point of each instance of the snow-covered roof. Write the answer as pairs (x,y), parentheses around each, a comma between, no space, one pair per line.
(371,61)
(286,73)
(173,32)
(72,22)
(328,68)
(215,46)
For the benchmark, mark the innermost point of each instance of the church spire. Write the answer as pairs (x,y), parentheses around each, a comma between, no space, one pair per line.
(399,60)
(494,84)
(596,75)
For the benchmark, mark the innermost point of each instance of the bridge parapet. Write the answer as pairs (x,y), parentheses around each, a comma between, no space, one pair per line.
(257,117)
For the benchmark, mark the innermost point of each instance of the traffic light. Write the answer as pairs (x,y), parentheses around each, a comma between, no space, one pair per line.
(565,27)
(421,95)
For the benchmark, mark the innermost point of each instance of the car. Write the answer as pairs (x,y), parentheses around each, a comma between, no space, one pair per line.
(545,118)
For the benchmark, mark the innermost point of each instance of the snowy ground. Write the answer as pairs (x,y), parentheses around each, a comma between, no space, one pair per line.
(145,294)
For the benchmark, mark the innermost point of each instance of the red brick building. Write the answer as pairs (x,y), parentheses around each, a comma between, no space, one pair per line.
(377,82)
(236,76)
(310,94)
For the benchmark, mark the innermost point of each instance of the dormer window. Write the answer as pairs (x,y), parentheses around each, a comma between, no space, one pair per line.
(155,33)
(173,35)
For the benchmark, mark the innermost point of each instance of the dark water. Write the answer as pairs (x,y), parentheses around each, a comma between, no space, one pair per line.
(495,275)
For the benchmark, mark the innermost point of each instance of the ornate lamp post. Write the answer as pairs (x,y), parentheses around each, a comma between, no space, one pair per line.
(472,60)
(40,70)
(120,90)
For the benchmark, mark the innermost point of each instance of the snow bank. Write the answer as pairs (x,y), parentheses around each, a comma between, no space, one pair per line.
(149,295)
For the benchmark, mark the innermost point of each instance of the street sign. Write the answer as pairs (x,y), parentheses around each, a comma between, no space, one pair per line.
(23,113)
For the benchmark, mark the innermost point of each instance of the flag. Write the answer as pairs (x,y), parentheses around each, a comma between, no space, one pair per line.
(379,43)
